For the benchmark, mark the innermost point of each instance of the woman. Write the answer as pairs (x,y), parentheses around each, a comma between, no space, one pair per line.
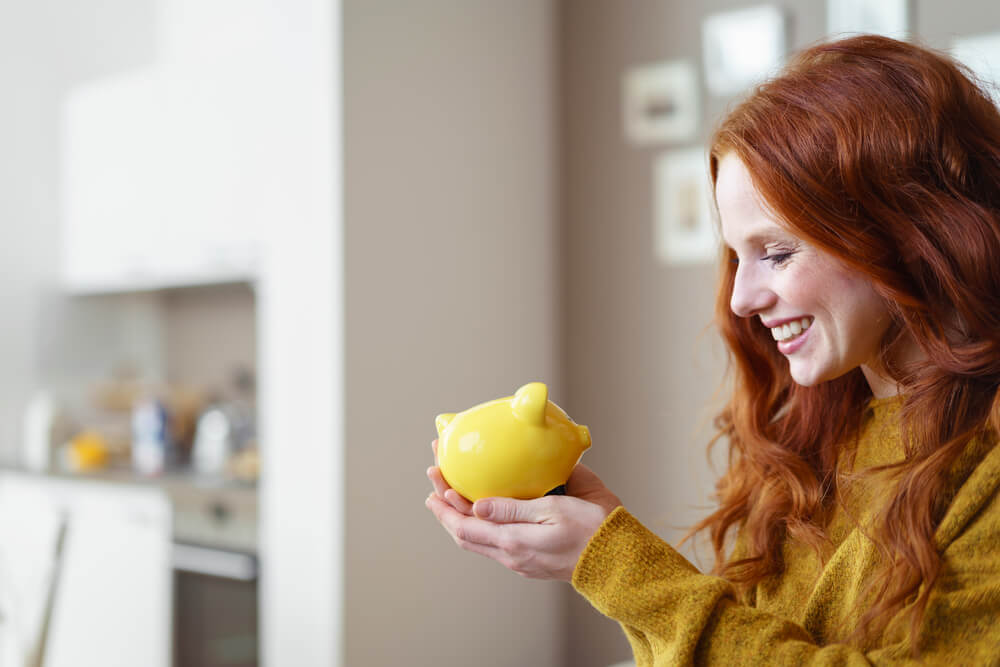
(859,200)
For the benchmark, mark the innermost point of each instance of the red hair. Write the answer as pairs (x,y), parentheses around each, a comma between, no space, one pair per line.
(885,155)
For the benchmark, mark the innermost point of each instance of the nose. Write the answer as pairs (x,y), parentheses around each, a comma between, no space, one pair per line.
(751,294)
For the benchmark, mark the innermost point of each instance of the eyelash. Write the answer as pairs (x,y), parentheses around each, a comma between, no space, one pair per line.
(779,258)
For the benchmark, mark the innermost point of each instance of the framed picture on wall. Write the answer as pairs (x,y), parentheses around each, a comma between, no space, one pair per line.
(660,103)
(884,17)
(683,229)
(740,48)
(981,54)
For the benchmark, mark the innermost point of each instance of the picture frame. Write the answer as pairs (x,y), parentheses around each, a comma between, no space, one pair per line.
(981,54)
(684,232)
(742,47)
(660,103)
(890,18)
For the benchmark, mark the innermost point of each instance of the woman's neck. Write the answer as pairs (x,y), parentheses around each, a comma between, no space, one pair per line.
(882,384)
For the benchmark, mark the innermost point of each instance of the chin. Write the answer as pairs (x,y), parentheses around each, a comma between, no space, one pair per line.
(806,377)
(810,376)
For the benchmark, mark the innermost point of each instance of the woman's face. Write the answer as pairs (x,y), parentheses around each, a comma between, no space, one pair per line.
(825,318)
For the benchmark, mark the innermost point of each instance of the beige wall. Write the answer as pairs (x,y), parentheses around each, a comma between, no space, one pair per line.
(452,281)
(641,365)
(209,333)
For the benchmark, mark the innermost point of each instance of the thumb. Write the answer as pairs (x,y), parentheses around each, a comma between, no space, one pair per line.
(506,510)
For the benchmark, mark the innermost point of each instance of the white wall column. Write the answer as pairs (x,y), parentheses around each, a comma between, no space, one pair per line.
(300,324)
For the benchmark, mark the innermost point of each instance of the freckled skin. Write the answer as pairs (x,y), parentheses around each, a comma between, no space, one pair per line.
(781,276)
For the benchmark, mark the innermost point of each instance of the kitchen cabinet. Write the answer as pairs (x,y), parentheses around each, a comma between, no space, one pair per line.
(220,160)
(86,573)
(164,165)
(173,559)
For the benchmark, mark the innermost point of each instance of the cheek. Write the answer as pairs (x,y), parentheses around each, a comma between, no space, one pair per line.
(860,312)
(807,291)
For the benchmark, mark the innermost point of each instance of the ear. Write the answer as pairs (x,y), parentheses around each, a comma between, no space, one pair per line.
(529,403)
(442,421)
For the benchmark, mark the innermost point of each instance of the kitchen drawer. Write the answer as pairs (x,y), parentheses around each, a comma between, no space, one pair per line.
(219,517)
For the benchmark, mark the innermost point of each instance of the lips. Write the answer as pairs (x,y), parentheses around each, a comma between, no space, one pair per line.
(791,345)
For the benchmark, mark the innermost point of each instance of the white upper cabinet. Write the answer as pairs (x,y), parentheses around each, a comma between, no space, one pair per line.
(165,166)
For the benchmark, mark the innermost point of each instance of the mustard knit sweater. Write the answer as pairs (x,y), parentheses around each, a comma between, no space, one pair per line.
(674,615)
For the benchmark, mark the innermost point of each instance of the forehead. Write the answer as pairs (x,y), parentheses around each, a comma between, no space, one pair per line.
(744,218)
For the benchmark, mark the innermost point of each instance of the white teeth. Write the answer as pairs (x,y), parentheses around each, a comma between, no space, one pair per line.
(790,330)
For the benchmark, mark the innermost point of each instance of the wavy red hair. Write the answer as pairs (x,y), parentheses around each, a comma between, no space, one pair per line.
(885,155)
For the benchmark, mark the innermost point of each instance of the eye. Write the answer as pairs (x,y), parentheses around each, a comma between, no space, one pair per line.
(778,258)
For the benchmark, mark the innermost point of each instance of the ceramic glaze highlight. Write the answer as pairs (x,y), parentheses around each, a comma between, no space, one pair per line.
(521,446)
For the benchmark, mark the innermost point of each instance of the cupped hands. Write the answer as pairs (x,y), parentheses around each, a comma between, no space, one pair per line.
(541,538)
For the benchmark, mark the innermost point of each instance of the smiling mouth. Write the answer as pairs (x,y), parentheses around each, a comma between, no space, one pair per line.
(790,330)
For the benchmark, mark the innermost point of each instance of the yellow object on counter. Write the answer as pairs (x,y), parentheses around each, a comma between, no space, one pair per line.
(521,446)
(87,450)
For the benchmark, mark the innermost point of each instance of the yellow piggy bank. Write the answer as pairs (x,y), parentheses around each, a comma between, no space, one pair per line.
(521,446)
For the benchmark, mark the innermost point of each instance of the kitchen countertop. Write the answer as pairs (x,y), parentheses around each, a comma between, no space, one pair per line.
(209,511)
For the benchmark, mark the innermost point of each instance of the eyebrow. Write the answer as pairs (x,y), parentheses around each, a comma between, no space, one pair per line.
(762,237)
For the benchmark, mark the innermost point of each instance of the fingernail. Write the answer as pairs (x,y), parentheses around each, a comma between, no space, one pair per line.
(484,508)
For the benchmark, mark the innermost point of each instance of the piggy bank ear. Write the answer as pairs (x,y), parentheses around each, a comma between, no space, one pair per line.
(442,421)
(529,403)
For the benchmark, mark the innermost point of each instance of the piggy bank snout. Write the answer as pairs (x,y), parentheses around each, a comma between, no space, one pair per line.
(441,421)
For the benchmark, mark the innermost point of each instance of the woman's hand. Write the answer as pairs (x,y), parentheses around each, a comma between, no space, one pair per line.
(445,492)
(541,538)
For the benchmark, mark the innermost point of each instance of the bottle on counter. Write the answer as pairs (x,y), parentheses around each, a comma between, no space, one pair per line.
(226,429)
(151,441)
(40,418)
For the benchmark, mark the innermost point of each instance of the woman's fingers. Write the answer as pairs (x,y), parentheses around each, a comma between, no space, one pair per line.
(458,502)
(465,530)
(442,488)
(446,493)
(509,510)
(582,477)
(492,540)
(437,480)
(548,549)
(583,483)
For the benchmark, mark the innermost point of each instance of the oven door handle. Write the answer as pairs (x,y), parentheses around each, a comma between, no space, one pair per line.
(215,562)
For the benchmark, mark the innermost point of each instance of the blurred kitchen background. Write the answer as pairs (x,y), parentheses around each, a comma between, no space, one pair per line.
(250,249)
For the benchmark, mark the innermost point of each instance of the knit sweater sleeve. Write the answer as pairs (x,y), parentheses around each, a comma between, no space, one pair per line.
(674,615)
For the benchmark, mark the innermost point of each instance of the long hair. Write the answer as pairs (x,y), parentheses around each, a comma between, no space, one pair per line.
(886,156)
